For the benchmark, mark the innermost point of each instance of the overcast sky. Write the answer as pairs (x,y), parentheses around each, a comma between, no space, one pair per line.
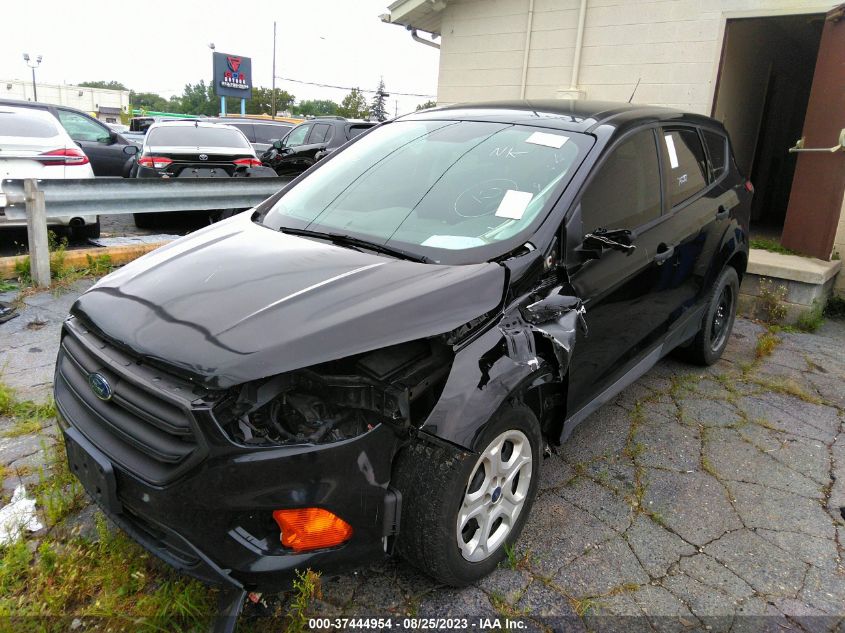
(340,42)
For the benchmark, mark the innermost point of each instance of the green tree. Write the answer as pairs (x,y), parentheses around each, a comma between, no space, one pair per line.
(262,101)
(316,107)
(379,108)
(199,98)
(148,101)
(354,106)
(426,105)
(106,85)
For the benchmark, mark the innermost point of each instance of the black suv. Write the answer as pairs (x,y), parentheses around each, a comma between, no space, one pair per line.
(102,145)
(262,133)
(310,141)
(373,360)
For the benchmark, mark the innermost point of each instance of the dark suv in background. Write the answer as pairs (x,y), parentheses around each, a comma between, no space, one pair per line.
(374,359)
(310,141)
(262,133)
(102,145)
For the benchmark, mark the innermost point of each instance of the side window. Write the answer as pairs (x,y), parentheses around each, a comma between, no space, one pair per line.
(319,133)
(297,136)
(81,128)
(684,164)
(625,193)
(266,133)
(717,150)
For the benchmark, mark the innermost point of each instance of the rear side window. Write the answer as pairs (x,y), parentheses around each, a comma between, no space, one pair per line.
(16,124)
(717,150)
(195,136)
(319,133)
(684,164)
(625,193)
(81,128)
(355,130)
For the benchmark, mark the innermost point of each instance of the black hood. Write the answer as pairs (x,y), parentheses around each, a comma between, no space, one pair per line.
(237,301)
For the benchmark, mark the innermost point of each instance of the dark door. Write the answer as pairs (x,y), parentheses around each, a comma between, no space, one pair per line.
(290,161)
(98,142)
(617,288)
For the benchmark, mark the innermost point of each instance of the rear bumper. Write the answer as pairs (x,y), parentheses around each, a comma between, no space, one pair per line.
(210,514)
(64,220)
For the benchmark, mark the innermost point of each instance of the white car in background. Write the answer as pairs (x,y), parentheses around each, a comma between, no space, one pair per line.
(33,144)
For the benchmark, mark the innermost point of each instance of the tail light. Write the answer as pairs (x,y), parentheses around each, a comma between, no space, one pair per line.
(749,187)
(248,162)
(156,162)
(70,156)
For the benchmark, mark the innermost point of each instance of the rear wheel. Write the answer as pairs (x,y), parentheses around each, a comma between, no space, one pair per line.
(86,232)
(459,512)
(710,341)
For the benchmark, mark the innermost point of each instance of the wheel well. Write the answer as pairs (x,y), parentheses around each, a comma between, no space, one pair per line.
(739,262)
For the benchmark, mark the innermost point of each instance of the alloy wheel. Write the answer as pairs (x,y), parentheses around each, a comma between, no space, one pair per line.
(721,318)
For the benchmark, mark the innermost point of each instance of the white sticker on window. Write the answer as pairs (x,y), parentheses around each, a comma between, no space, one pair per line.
(453,242)
(514,203)
(549,140)
(673,155)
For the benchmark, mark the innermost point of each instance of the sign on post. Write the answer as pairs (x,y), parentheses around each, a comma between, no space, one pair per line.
(232,76)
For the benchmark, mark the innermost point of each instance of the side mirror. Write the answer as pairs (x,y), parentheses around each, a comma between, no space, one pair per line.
(131,150)
(277,145)
(600,240)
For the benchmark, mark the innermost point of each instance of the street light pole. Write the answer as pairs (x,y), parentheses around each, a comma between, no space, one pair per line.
(33,65)
(273,93)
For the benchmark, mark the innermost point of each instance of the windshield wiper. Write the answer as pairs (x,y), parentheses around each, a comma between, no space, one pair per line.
(356,242)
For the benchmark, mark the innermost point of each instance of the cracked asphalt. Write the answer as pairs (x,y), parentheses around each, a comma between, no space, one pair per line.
(700,499)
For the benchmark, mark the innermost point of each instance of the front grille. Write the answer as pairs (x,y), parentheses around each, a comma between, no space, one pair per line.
(146,427)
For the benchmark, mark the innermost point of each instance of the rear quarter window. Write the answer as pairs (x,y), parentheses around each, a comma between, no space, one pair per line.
(355,130)
(717,151)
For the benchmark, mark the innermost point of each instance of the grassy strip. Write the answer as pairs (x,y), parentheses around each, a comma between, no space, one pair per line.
(773,246)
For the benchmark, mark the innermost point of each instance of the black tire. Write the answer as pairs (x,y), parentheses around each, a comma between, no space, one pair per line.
(145,220)
(434,480)
(709,343)
(87,232)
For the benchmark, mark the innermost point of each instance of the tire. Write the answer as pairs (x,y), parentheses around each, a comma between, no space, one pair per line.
(145,220)
(709,343)
(437,481)
(87,232)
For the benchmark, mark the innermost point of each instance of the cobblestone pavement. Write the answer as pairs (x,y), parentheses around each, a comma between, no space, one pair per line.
(699,498)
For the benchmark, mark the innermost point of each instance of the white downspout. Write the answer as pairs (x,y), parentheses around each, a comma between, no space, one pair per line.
(579,42)
(527,48)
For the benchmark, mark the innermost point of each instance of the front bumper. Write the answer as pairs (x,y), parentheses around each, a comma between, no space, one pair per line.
(204,504)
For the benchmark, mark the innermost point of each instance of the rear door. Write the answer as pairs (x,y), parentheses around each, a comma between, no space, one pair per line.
(618,288)
(97,141)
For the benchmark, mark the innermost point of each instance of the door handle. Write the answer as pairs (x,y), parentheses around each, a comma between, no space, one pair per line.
(722,212)
(662,255)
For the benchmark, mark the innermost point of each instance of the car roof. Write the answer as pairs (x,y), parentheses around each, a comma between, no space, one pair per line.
(575,115)
(38,105)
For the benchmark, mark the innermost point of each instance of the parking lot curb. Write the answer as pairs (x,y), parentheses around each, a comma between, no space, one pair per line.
(79,258)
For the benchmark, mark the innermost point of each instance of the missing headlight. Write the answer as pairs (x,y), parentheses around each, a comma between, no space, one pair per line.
(338,400)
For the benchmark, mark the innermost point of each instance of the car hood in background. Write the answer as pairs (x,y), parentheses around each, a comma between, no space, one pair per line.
(236,301)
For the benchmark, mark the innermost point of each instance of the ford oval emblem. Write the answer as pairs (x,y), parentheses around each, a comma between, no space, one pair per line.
(100,386)
(203,156)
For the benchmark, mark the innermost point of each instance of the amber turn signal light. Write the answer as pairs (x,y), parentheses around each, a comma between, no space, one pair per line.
(311,528)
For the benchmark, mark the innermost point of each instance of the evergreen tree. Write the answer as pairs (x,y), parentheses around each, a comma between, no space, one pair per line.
(378,111)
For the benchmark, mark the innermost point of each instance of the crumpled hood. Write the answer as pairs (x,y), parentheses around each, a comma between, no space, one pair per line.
(237,301)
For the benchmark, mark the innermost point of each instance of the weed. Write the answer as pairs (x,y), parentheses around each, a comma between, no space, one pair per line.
(6,286)
(306,587)
(60,270)
(766,344)
(26,416)
(810,320)
(58,492)
(770,301)
(505,608)
(583,606)
(513,560)
(773,246)
(707,466)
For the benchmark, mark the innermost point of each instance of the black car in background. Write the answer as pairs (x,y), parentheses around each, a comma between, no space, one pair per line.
(194,148)
(374,360)
(102,145)
(310,141)
(262,133)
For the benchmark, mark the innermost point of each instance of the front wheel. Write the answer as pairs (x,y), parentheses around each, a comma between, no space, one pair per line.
(712,339)
(461,510)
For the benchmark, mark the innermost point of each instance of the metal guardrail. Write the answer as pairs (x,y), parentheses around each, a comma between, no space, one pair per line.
(36,200)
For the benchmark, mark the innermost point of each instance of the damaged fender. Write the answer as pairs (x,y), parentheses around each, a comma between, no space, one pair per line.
(503,362)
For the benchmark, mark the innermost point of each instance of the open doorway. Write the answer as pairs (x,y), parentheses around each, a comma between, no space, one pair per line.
(762,92)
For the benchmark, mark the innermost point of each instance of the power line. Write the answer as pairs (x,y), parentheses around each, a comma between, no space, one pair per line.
(313,83)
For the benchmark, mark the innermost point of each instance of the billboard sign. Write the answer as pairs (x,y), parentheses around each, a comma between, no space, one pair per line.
(232,76)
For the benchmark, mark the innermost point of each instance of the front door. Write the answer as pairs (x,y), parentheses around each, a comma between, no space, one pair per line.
(815,202)
(97,141)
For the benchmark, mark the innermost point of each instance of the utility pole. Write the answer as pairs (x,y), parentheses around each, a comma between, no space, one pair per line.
(273,97)
(33,65)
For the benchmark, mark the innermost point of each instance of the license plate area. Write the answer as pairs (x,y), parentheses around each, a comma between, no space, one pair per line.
(203,172)
(93,469)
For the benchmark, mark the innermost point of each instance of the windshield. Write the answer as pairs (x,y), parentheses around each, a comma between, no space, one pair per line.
(196,136)
(435,186)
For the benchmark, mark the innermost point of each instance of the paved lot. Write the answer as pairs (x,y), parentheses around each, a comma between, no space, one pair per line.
(699,499)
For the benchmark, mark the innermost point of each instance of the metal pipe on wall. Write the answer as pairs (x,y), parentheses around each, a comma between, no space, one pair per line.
(528,30)
(579,42)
